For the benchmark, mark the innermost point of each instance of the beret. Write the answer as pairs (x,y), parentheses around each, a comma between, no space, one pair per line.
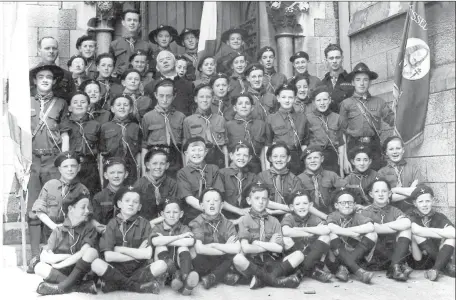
(259,185)
(80,193)
(170,200)
(341,191)
(193,140)
(82,39)
(300,54)
(286,87)
(253,67)
(218,76)
(289,199)
(311,149)
(263,50)
(421,189)
(138,52)
(64,156)
(318,90)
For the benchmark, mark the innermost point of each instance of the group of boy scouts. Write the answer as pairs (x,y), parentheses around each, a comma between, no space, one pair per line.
(153,169)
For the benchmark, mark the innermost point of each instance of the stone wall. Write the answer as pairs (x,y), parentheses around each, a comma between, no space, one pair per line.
(378,46)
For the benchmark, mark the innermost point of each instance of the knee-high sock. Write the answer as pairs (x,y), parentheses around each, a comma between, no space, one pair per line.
(318,249)
(443,257)
(80,269)
(283,269)
(55,276)
(430,248)
(185,261)
(401,250)
(35,237)
(222,268)
(363,247)
(254,270)
(114,275)
(347,259)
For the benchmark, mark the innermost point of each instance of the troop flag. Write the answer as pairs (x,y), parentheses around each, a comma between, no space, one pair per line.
(209,29)
(411,77)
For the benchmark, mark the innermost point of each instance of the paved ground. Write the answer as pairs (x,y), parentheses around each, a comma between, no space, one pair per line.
(16,285)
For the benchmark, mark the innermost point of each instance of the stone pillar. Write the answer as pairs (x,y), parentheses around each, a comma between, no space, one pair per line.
(102,26)
(283,17)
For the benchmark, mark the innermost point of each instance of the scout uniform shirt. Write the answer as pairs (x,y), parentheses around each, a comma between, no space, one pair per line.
(293,220)
(280,183)
(401,174)
(203,79)
(192,57)
(235,181)
(103,205)
(165,230)
(91,69)
(287,127)
(191,181)
(141,104)
(62,89)
(122,48)
(258,227)
(325,129)
(52,195)
(340,89)
(304,106)
(433,219)
(352,220)
(184,93)
(382,215)
(265,103)
(127,233)
(46,135)
(359,182)
(237,84)
(84,135)
(272,80)
(320,186)
(212,230)
(99,114)
(162,128)
(154,193)
(109,88)
(211,127)
(221,106)
(356,111)
(69,239)
(249,131)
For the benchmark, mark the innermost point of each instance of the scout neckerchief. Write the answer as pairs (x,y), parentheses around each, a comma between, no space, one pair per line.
(126,147)
(335,76)
(156,183)
(267,78)
(168,130)
(44,114)
(289,117)
(171,229)
(261,217)
(425,219)
(125,226)
(301,221)
(213,222)
(106,83)
(68,227)
(90,62)
(240,178)
(112,191)
(80,122)
(131,41)
(318,196)
(247,123)
(256,95)
(219,104)
(398,169)
(361,177)
(380,210)
(301,104)
(361,104)
(324,116)
(278,177)
(239,78)
(192,56)
(202,180)
(205,79)
(209,135)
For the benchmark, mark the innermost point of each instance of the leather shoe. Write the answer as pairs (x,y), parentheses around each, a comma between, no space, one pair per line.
(190,283)
(342,273)
(32,263)
(364,276)
(176,282)
(231,278)
(108,286)
(256,283)
(46,288)
(406,270)
(86,287)
(449,270)
(291,282)
(321,275)
(431,274)
(395,272)
(151,287)
(208,281)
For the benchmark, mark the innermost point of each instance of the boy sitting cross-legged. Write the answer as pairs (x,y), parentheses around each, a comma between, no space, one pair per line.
(172,240)
(126,249)
(306,236)
(352,237)
(216,241)
(66,258)
(434,235)
(262,245)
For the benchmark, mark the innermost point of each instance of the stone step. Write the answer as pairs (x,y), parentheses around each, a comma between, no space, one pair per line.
(12,233)
(12,211)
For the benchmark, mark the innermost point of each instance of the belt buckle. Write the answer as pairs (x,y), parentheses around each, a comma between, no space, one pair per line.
(365,139)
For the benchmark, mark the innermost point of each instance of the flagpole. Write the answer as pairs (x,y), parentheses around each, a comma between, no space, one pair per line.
(23,229)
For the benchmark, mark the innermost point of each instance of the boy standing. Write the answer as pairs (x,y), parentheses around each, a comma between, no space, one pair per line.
(87,47)
(234,39)
(300,61)
(188,38)
(271,79)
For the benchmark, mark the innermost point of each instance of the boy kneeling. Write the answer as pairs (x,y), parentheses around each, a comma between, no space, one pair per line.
(434,235)
(66,258)
(126,249)
(262,245)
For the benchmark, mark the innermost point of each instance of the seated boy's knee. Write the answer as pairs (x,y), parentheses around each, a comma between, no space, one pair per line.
(288,242)
(158,267)
(240,260)
(333,236)
(90,254)
(182,249)
(405,233)
(99,266)
(450,242)
(373,236)
(325,239)
(418,239)
(41,268)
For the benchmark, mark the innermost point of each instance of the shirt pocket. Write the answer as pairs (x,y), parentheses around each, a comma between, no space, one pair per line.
(157,133)
(177,131)
(280,130)
(196,130)
(219,135)
(53,208)
(111,139)
(354,112)
(107,208)
(92,140)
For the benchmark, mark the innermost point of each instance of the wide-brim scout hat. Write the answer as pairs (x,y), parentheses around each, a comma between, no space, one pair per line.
(181,36)
(362,68)
(56,71)
(226,35)
(172,32)
(300,54)
(421,189)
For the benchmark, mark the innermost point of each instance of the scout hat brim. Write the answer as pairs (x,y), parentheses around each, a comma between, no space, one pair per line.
(172,31)
(180,37)
(362,68)
(56,71)
(226,35)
